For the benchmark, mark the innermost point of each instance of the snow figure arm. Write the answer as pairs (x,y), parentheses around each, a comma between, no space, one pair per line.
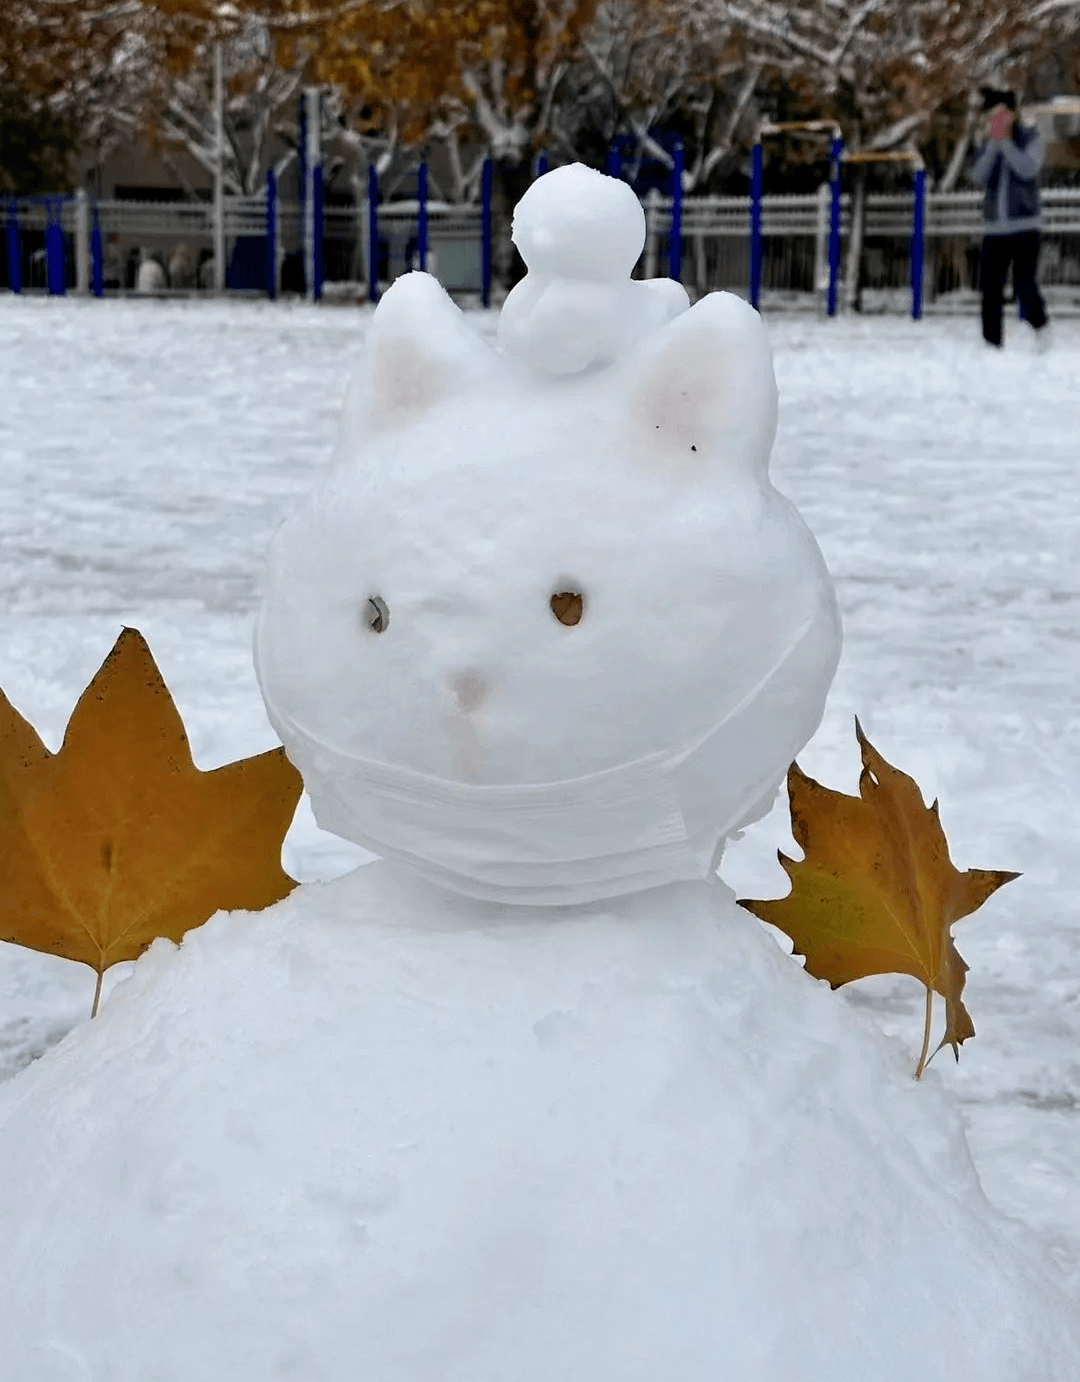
(1025,162)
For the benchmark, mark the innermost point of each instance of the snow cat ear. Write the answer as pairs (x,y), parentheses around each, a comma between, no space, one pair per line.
(703,391)
(420,350)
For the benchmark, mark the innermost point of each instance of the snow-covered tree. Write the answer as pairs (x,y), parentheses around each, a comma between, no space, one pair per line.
(168,84)
(36,143)
(885,68)
(482,77)
(143,69)
(679,65)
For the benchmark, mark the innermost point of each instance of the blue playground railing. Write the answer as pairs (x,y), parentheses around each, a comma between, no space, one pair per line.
(271,235)
(14,248)
(50,210)
(917,242)
(486,183)
(421,218)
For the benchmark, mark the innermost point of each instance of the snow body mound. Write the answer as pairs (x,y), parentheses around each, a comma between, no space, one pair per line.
(381,1133)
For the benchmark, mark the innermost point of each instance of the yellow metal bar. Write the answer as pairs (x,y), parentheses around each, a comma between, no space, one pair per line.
(1070,107)
(883,156)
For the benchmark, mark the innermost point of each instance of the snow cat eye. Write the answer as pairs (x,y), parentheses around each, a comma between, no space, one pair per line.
(568,607)
(377,614)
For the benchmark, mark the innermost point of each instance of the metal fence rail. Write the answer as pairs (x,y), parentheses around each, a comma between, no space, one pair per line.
(50,243)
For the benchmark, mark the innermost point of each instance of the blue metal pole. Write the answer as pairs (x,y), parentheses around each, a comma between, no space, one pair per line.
(373,232)
(918,244)
(541,164)
(14,248)
(302,180)
(614,160)
(271,234)
(486,185)
(97,255)
(421,217)
(318,203)
(675,236)
(757,183)
(837,186)
(54,248)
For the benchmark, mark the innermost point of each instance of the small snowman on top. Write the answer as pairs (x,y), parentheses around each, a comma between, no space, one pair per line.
(580,235)
(546,634)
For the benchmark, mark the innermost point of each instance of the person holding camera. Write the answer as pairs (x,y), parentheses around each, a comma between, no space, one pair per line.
(1008,167)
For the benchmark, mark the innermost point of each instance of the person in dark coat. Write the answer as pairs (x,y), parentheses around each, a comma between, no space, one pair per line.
(1008,167)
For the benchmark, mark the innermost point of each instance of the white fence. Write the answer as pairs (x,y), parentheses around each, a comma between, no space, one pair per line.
(714,244)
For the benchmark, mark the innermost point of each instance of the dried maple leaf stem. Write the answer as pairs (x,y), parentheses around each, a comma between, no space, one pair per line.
(928,1022)
(97,993)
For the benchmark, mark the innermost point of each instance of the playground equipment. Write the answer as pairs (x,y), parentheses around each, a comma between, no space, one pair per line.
(271,234)
(71,243)
(51,210)
(421,217)
(14,251)
(757,186)
(614,168)
(675,234)
(918,217)
(1066,106)
(423,236)
(838,158)
(97,254)
(487,180)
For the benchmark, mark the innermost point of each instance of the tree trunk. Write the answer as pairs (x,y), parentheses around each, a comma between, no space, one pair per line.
(358,266)
(952,173)
(853,266)
(510,183)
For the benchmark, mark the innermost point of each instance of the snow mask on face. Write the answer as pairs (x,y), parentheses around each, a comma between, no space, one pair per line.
(547,634)
(607,833)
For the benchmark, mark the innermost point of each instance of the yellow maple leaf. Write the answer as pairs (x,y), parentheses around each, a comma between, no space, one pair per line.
(876,891)
(118,838)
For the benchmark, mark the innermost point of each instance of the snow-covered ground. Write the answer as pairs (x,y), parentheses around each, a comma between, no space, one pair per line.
(148,450)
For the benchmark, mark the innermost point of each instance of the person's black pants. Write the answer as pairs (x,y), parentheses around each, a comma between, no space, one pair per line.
(1022,252)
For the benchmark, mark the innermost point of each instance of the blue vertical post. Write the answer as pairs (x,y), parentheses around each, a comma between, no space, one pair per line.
(318,200)
(675,234)
(97,254)
(14,248)
(271,235)
(373,233)
(837,187)
(541,164)
(614,160)
(757,183)
(421,217)
(486,184)
(54,248)
(918,243)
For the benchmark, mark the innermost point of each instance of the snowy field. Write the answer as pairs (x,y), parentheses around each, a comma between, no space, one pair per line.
(148,450)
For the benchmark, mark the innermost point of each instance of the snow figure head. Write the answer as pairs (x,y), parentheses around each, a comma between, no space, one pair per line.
(545,632)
